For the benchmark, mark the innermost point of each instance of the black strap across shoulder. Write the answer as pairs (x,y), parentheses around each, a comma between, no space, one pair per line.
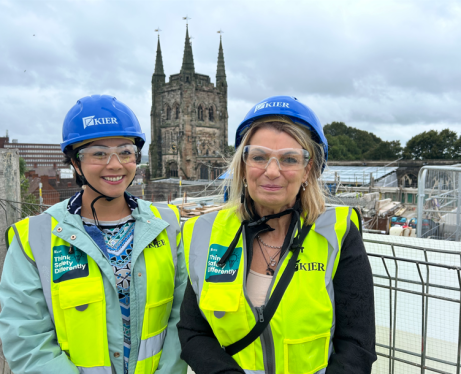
(266,313)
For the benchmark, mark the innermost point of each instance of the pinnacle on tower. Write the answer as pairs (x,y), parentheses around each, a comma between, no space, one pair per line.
(158,60)
(221,71)
(188,58)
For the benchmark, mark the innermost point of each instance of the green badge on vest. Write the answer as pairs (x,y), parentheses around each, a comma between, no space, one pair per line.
(69,263)
(229,272)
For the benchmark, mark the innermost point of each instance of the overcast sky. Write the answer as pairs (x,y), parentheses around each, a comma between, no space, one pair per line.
(389,67)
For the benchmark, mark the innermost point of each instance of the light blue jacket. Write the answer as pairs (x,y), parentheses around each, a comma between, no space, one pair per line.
(26,327)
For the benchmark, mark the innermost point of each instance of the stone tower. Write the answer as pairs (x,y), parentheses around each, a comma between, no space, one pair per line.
(188,120)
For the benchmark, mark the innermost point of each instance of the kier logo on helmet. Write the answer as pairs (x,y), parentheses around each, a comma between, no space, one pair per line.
(271,105)
(91,121)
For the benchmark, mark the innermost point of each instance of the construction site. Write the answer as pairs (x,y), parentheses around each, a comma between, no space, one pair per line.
(414,249)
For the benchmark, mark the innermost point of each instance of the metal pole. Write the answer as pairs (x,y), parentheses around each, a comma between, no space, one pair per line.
(394,332)
(458,209)
(40,185)
(390,316)
(423,330)
(458,360)
(421,196)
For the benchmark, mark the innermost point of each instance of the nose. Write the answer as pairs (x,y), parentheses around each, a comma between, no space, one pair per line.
(114,162)
(273,168)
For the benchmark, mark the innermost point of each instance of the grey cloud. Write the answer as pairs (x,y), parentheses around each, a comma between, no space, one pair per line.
(373,65)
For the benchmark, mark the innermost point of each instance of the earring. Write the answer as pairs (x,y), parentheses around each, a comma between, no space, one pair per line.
(245,182)
(304,185)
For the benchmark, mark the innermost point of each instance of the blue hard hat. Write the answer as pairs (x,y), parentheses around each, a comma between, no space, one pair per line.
(288,106)
(100,116)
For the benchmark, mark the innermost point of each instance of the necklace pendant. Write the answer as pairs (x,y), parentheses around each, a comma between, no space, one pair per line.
(273,263)
(269,271)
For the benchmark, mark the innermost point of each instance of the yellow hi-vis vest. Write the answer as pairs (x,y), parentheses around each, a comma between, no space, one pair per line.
(298,339)
(78,306)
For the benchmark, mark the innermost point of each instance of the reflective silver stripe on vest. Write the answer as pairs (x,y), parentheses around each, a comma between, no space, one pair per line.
(22,248)
(325,226)
(322,371)
(172,230)
(95,370)
(151,346)
(254,371)
(200,242)
(40,244)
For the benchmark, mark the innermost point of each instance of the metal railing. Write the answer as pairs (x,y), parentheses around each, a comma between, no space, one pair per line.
(417,305)
(19,210)
(439,202)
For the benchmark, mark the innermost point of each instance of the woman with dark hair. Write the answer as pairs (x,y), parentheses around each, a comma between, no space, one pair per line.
(278,282)
(94,284)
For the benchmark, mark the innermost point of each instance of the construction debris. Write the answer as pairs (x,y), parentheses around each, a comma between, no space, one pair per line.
(197,210)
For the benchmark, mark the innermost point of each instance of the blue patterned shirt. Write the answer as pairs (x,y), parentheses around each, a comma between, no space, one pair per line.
(118,240)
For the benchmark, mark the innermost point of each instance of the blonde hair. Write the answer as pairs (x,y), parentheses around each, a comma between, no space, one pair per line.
(312,199)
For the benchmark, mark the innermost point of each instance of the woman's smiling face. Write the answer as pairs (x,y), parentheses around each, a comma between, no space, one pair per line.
(273,188)
(110,179)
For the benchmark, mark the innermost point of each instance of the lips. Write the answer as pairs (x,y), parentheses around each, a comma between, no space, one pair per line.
(113,179)
(271,187)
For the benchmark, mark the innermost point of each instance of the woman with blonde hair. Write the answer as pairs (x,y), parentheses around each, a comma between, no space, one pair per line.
(278,283)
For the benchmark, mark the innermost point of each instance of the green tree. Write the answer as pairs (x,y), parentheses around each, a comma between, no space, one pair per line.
(385,151)
(349,143)
(433,145)
(342,147)
(26,197)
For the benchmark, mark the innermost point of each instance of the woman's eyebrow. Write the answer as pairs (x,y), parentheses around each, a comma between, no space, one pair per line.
(289,151)
(260,149)
(106,146)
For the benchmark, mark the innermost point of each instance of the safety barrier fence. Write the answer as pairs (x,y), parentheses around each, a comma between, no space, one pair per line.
(417,304)
(19,210)
(439,202)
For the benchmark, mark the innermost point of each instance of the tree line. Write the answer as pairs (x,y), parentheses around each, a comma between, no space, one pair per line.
(349,143)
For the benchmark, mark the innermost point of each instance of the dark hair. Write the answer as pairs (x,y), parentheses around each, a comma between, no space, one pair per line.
(69,156)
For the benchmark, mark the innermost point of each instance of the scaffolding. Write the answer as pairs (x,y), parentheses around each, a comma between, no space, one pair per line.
(439,203)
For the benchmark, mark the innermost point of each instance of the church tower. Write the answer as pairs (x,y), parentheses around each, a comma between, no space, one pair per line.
(188,120)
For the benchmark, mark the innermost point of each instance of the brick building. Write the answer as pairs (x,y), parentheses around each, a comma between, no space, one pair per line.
(188,120)
(37,156)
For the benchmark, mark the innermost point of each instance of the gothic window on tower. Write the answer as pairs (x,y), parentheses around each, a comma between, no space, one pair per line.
(177,112)
(203,172)
(211,114)
(167,145)
(200,113)
(168,113)
(173,170)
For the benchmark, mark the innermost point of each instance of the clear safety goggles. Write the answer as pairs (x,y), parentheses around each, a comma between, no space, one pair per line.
(101,155)
(287,158)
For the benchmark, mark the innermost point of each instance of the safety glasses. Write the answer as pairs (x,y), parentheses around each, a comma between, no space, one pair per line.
(101,155)
(287,159)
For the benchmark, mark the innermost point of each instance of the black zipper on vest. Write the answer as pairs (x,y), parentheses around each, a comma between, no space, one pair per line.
(269,350)
(266,354)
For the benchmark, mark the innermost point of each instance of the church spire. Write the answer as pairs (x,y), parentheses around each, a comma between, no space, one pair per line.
(158,60)
(221,71)
(188,58)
